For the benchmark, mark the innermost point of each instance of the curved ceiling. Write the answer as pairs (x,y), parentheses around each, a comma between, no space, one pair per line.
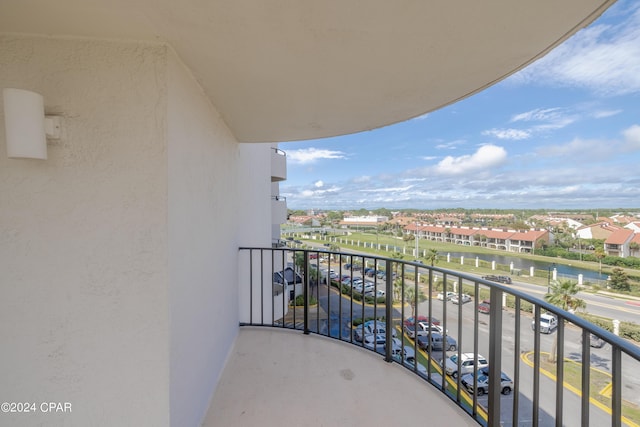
(282,70)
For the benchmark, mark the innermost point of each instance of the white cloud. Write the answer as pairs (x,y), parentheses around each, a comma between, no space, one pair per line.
(312,155)
(605,113)
(387,190)
(317,193)
(602,58)
(632,138)
(319,184)
(538,115)
(514,134)
(487,156)
(361,179)
(582,150)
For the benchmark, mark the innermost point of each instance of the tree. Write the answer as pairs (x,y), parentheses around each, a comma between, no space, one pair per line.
(432,256)
(334,248)
(398,256)
(619,280)
(412,299)
(599,254)
(397,289)
(562,294)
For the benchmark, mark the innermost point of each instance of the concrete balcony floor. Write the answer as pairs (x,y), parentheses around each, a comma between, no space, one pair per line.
(283,377)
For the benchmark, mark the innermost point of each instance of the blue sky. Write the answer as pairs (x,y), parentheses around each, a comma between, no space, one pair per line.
(563,133)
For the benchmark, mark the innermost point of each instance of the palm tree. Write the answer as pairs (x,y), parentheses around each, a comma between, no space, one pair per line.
(334,248)
(397,289)
(562,294)
(432,256)
(599,254)
(412,299)
(398,256)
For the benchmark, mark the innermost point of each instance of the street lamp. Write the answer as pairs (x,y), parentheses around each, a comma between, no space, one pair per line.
(417,255)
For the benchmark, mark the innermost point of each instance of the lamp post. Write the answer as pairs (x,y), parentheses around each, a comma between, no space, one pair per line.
(553,266)
(417,255)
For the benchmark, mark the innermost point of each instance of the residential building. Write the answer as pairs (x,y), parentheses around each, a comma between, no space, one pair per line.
(601,231)
(617,244)
(119,241)
(506,240)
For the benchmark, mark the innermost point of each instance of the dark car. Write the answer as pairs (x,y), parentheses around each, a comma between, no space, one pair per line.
(289,275)
(499,279)
(436,343)
(594,341)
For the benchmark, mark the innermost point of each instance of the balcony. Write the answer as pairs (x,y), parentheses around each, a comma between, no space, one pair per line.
(278,210)
(294,363)
(283,377)
(278,165)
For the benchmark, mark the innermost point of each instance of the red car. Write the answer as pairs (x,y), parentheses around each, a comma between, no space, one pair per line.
(484,306)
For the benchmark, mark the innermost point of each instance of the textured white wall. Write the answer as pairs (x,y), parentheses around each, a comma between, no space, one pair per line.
(119,253)
(203,245)
(83,237)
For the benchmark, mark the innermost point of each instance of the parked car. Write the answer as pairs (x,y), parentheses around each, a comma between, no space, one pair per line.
(484,306)
(412,320)
(398,352)
(423,329)
(288,274)
(435,342)
(466,364)
(410,363)
(465,299)
(506,383)
(446,295)
(548,323)
(377,293)
(499,279)
(379,341)
(360,286)
(369,328)
(594,341)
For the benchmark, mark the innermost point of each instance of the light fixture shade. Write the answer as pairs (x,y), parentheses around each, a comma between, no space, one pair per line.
(24,124)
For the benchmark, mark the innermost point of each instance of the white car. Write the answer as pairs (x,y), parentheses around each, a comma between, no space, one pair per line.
(465,299)
(379,341)
(466,364)
(548,323)
(446,295)
(371,327)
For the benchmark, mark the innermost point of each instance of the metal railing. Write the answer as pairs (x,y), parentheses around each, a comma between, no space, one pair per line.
(379,304)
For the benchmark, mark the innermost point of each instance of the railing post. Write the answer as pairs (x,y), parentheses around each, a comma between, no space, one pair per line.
(388,313)
(495,357)
(305,286)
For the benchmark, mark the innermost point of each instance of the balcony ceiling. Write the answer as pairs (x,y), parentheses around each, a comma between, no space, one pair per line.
(281,70)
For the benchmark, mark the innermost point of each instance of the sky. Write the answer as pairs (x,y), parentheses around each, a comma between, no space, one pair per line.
(563,133)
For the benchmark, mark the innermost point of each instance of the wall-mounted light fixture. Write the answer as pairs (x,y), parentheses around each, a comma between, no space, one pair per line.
(26,126)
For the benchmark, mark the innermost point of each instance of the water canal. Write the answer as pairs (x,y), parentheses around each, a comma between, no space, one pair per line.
(525,264)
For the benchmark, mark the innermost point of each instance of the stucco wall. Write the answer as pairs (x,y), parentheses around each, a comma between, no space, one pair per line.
(203,245)
(83,237)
